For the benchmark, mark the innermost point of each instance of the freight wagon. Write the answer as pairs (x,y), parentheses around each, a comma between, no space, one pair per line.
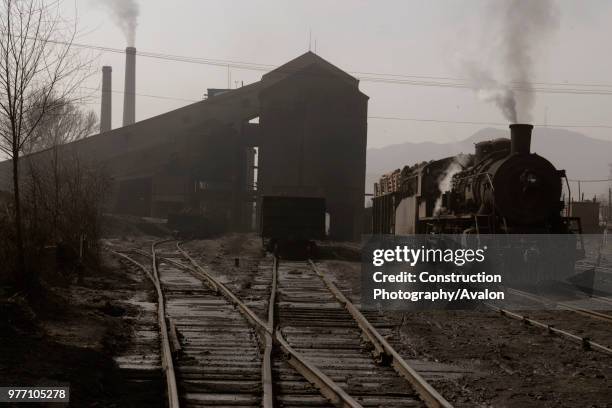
(291,225)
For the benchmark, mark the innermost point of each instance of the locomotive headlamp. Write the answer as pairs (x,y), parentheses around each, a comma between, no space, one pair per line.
(532,178)
(529,180)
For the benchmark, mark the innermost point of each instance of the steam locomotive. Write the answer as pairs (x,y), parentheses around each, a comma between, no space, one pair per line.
(501,188)
(503,196)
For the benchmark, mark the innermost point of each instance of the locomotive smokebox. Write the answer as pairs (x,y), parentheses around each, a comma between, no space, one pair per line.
(520,138)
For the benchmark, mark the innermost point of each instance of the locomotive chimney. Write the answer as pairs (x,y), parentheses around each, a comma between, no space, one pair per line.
(106,105)
(129,96)
(520,138)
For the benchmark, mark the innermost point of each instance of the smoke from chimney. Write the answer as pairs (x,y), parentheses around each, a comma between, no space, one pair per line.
(106,105)
(129,94)
(125,13)
(523,26)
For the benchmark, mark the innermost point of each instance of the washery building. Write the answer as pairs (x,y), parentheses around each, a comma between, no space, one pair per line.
(300,131)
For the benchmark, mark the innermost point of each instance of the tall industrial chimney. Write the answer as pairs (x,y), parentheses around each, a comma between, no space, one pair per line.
(107,100)
(520,138)
(129,96)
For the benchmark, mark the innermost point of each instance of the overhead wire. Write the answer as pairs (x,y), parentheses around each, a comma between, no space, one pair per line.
(460,122)
(371,77)
(395,118)
(417,80)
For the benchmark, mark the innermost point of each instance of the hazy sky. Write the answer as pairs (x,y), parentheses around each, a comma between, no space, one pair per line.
(425,38)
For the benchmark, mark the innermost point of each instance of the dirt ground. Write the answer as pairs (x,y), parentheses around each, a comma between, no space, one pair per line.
(221,254)
(77,326)
(507,363)
(69,332)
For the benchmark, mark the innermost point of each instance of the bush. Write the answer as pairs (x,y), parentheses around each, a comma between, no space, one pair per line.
(61,212)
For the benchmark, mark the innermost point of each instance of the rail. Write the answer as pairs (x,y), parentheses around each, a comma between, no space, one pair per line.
(601,299)
(584,341)
(220,287)
(166,353)
(167,363)
(383,349)
(266,376)
(582,311)
(326,386)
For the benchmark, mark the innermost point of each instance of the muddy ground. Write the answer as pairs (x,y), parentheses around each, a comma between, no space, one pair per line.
(68,331)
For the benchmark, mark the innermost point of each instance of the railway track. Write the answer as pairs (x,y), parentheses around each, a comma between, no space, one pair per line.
(210,351)
(167,363)
(140,362)
(389,389)
(302,346)
(584,307)
(217,356)
(304,384)
(324,326)
(589,302)
(291,338)
(289,388)
(549,328)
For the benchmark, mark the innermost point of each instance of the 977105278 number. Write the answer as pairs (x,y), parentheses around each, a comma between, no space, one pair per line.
(34,394)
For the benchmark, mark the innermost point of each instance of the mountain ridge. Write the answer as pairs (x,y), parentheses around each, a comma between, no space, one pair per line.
(582,157)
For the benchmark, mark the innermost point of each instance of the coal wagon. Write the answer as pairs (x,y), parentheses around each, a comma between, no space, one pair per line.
(291,225)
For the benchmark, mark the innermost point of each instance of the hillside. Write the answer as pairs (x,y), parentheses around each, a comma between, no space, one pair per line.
(581,156)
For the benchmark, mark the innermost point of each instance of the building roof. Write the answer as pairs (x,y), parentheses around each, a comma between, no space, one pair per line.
(226,107)
(304,61)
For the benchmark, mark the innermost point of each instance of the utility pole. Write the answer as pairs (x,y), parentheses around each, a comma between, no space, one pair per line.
(610,198)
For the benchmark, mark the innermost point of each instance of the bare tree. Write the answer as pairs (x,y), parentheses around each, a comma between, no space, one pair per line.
(39,71)
(66,124)
(57,191)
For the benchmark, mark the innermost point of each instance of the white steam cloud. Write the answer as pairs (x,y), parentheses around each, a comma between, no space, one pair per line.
(125,13)
(445,181)
(523,26)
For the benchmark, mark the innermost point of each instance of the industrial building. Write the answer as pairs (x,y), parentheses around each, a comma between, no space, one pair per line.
(589,214)
(300,131)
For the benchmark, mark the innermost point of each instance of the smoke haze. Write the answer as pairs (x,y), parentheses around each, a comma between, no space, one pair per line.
(125,13)
(523,28)
(490,90)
